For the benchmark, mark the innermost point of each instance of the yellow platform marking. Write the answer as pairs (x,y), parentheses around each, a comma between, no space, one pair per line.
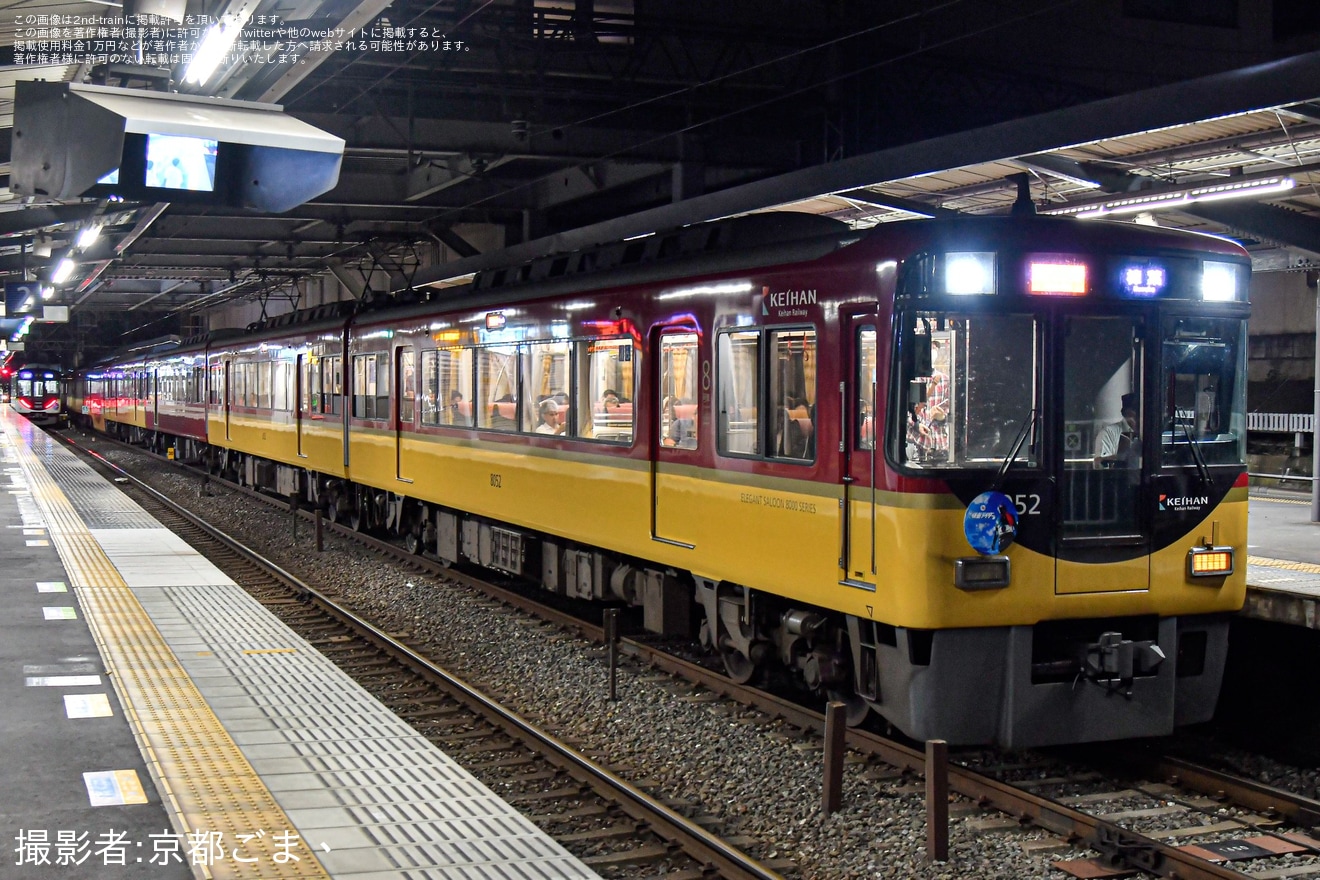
(204,780)
(271,651)
(1286,564)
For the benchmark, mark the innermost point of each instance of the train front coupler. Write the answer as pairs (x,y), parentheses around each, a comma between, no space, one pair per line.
(1113,662)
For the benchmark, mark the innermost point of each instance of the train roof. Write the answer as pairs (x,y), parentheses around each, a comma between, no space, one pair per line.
(757,241)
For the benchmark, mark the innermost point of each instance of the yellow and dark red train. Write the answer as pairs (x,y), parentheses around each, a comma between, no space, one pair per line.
(984,477)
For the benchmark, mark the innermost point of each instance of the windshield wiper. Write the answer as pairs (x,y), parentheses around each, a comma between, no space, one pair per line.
(1195,445)
(1022,433)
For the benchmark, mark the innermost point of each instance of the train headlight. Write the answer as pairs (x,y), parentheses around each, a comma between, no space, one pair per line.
(982,572)
(1220,282)
(969,273)
(1209,562)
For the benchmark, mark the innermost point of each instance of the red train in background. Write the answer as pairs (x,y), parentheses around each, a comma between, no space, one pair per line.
(39,392)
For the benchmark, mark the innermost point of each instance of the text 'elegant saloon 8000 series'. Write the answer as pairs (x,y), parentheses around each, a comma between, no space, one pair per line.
(984,477)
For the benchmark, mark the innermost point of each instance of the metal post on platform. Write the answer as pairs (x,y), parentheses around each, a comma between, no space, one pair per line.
(612,645)
(937,800)
(1315,420)
(320,542)
(836,732)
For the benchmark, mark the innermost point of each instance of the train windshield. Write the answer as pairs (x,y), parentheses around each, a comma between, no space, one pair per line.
(967,387)
(1203,395)
(38,387)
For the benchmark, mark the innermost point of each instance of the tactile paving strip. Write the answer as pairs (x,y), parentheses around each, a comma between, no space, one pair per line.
(83,489)
(454,821)
(355,774)
(201,774)
(1284,564)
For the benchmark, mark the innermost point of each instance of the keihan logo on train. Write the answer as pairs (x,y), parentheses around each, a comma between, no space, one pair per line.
(1182,503)
(786,303)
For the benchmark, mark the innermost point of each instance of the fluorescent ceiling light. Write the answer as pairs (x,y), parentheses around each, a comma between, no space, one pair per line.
(216,42)
(1174,199)
(88,236)
(62,271)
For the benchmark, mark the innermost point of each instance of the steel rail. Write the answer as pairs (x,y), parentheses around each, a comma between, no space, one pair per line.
(1118,846)
(699,844)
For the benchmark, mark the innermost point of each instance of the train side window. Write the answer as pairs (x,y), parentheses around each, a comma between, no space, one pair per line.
(738,369)
(447,387)
(282,386)
(216,387)
(866,388)
(793,393)
(311,384)
(371,386)
(497,388)
(608,381)
(679,389)
(238,391)
(264,385)
(332,384)
(546,376)
(382,386)
(429,394)
(407,385)
(335,396)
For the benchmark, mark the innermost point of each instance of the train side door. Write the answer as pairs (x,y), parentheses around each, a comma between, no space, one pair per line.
(300,401)
(153,376)
(405,381)
(1102,524)
(682,393)
(862,448)
(228,395)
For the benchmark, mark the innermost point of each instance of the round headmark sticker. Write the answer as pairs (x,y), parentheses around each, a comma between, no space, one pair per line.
(990,523)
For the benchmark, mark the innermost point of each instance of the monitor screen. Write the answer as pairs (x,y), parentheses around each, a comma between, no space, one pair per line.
(109,177)
(179,162)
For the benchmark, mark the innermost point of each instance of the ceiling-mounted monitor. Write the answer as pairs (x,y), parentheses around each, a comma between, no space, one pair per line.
(180,162)
(73,141)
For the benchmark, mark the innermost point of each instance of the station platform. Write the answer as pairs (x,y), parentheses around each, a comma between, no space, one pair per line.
(160,723)
(1283,559)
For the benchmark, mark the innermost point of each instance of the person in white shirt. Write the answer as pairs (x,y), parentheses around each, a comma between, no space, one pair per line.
(1118,442)
(552,418)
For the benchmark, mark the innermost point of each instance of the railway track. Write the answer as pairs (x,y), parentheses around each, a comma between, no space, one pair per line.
(1155,814)
(615,828)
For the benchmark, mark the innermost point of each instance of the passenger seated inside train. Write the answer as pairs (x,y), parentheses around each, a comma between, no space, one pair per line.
(679,424)
(795,430)
(458,411)
(504,414)
(612,416)
(551,416)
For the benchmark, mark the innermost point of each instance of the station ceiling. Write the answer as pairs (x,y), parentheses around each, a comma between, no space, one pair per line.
(485,132)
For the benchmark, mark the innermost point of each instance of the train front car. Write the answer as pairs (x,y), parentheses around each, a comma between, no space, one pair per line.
(1056,530)
(39,393)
